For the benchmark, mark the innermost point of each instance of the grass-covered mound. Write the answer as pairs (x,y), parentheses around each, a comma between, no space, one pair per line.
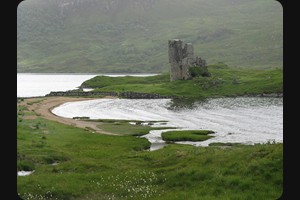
(188,135)
(224,81)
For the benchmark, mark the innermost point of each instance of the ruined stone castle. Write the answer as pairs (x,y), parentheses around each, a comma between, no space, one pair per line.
(181,58)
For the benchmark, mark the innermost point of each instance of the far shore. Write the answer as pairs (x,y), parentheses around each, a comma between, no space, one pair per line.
(43,106)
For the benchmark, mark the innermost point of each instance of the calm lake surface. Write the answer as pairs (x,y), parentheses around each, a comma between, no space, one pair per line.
(245,120)
(39,84)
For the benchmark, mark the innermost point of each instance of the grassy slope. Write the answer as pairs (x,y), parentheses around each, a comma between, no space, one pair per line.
(95,166)
(224,81)
(134,39)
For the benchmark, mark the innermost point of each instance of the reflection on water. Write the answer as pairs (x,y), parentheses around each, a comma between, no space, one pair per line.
(214,103)
(245,120)
(184,103)
(239,102)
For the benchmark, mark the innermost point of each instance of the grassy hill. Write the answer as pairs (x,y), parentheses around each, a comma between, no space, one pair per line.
(224,81)
(132,35)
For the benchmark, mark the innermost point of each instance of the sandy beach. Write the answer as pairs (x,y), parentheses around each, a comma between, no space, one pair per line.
(43,106)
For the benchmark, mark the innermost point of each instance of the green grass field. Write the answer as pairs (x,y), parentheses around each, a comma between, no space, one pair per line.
(75,164)
(224,81)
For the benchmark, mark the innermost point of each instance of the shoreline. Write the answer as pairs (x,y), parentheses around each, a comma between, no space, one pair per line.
(42,106)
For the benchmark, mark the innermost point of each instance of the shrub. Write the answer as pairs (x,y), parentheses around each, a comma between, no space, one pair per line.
(196,71)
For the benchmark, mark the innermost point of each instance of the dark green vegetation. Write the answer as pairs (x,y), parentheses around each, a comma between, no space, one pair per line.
(132,36)
(224,144)
(73,163)
(189,135)
(224,81)
(197,71)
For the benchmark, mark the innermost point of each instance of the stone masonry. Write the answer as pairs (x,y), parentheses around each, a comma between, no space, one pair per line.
(181,57)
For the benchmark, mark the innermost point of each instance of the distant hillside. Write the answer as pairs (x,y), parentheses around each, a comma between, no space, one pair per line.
(132,35)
